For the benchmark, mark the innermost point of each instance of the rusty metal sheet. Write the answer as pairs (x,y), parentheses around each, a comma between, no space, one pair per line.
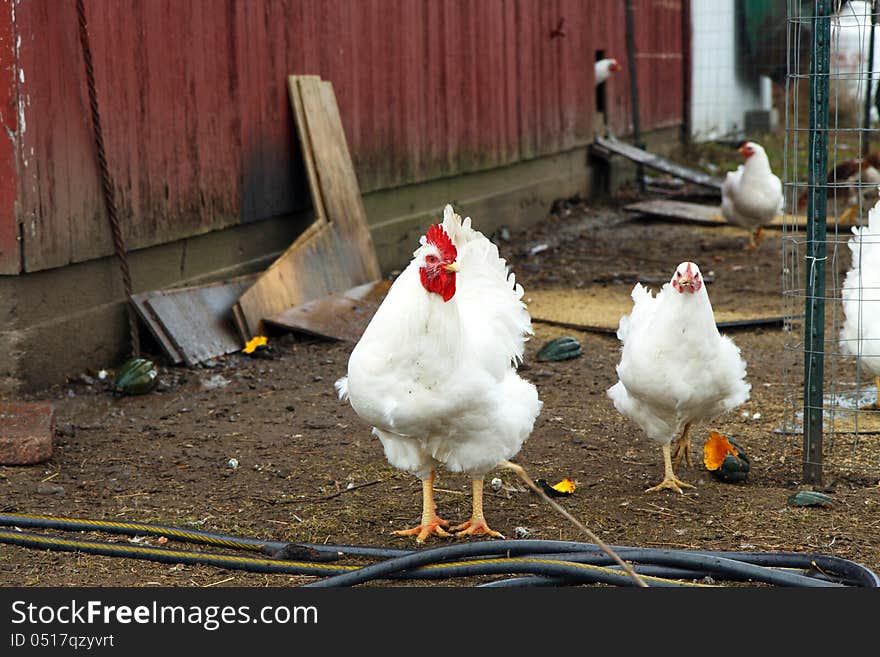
(195,324)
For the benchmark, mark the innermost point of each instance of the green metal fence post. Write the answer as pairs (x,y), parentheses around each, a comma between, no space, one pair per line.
(814,311)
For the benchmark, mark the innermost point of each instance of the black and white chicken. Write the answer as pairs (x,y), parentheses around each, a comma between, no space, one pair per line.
(435,371)
(675,367)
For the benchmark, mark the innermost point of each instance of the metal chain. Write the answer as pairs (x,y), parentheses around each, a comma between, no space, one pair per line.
(106,183)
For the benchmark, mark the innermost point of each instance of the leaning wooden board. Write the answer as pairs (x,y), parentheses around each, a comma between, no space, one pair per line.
(701,213)
(336,252)
(706,214)
(342,316)
(599,309)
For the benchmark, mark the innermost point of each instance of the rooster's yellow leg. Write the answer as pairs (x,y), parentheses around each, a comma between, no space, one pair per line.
(476,526)
(669,480)
(759,236)
(683,447)
(431,522)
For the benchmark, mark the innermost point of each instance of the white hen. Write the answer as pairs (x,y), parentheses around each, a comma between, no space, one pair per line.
(860,333)
(675,368)
(751,196)
(604,68)
(435,374)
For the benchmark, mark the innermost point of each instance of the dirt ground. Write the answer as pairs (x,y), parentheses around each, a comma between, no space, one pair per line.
(309,470)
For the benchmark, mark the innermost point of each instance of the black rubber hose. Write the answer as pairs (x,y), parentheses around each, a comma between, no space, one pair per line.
(711,564)
(579,573)
(825,565)
(822,570)
(168,555)
(526,582)
(142,529)
(438,555)
(567,571)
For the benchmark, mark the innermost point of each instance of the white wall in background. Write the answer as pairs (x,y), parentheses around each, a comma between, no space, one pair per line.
(850,43)
(720,95)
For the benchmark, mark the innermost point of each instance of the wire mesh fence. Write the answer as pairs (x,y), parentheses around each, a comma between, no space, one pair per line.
(831,254)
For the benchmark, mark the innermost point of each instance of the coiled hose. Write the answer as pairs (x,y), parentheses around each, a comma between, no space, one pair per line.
(535,562)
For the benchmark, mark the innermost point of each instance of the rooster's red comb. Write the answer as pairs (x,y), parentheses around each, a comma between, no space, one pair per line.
(438,237)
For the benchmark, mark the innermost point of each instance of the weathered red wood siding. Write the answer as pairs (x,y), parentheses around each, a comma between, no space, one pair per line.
(10,254)
(197,123)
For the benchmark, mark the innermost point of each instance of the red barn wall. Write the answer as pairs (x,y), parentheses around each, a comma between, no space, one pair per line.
(197,125)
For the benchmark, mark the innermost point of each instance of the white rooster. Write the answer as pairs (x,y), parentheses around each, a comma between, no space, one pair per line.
(860,333)
(675,368)
(751,196)
(435,374)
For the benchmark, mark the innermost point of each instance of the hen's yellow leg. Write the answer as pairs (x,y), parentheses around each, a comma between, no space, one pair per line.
(669,480)
(683,447)
(431,523)
(476,526)
(848,215)
(759,236)
(755,238)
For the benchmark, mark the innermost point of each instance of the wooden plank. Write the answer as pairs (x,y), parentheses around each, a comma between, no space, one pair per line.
(338,316)
(194,323)
(599,309)
(336,252)
(337,179)
(607,146)
(333,316)
(702,214)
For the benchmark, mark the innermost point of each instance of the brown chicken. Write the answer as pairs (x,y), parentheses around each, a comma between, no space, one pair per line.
(850,183)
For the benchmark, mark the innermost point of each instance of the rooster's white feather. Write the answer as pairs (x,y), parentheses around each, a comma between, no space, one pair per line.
(437,379)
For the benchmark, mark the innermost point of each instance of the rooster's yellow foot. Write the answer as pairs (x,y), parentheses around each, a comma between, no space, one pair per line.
(476,527)
(435,527)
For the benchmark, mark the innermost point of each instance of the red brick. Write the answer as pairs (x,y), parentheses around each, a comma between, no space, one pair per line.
(26,432)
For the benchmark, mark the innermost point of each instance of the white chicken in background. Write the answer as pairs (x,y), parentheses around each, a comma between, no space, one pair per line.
(675,368)
(860,333)
(751,196)
(604,68)
(435,374)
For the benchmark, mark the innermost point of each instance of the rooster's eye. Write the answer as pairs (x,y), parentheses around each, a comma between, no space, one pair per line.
(431,259)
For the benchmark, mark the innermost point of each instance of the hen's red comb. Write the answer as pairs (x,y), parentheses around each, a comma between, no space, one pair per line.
(438,237)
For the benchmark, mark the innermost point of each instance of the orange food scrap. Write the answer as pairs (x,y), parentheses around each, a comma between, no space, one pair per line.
(715,450)
(253,343)
(566,486)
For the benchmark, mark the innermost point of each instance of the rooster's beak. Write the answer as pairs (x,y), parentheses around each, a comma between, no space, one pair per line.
(452,266)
